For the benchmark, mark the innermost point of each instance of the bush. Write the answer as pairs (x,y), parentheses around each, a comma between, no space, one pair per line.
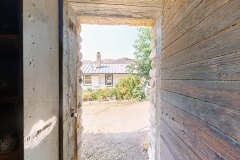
(139,93)
(87,95)
(98,94)
(129,87)
(101,93)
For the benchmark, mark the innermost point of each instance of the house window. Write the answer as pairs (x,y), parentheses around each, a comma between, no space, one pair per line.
(109,79)
(87,79)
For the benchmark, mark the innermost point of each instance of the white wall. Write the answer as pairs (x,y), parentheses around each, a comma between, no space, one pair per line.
(116,78)
(101,80)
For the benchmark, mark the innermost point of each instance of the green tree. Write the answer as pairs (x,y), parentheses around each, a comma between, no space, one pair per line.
(141,64)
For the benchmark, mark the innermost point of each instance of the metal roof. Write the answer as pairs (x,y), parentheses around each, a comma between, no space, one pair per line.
(90,68)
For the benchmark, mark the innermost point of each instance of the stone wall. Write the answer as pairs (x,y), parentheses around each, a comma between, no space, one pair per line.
(155,98)
(79,126)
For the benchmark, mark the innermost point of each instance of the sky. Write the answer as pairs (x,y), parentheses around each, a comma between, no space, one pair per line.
(111,41)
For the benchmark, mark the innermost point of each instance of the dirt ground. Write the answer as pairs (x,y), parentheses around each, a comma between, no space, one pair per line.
(116,130)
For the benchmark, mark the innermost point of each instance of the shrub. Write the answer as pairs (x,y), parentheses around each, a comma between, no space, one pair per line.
(129,87)
(87,95)
(138,92)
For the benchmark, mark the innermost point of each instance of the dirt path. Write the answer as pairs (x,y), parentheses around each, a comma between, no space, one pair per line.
(115,131)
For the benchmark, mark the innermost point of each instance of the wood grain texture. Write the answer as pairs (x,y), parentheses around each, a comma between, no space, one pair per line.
(170,10)
(224,119)
(151,3)
(198,146)
(223,18)
(103,10)
(223,43)
(181,15)
(118,9)
(195,15)
(225,146)
(200,79)
(223,93)
(166,154)
(176,153)
(115,21)
(220,68)
(182,147)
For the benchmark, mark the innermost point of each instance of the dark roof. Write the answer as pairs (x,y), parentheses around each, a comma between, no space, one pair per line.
(90,68)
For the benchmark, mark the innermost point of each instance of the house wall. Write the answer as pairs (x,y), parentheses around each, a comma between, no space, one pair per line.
(200,79)
(116,78)
(101,82)
(102,79)
(41,79)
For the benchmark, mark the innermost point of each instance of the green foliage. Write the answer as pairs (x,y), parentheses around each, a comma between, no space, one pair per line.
(129,87)
(138,92)
(142,63)
(87,95)
(90,94)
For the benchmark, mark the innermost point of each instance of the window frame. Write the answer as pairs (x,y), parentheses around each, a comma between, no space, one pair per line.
(84,80)
(106,80)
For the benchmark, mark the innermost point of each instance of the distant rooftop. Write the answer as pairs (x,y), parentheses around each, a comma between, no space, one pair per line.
(110,61)
(90,68)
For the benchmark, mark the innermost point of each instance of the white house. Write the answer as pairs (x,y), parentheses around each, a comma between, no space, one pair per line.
(98,75)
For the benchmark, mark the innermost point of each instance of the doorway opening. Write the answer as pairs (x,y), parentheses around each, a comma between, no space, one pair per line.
(11,110)
(114,126)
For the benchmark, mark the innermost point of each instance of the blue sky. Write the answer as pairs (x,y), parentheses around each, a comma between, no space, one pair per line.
(112,41)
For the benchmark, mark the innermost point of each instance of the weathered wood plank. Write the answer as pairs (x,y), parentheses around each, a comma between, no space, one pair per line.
(185,150)
(167,5)
(220,44)
(196,144)
(103,10)
(165,153)
(224,93)
(224,119)
(150,3)
(115,21)
(220,20)
(225,146)
(170,9)
(182,13)
(220,68)
(171,146)
(203,10)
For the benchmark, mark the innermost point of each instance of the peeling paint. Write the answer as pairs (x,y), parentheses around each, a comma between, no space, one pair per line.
(39,132)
